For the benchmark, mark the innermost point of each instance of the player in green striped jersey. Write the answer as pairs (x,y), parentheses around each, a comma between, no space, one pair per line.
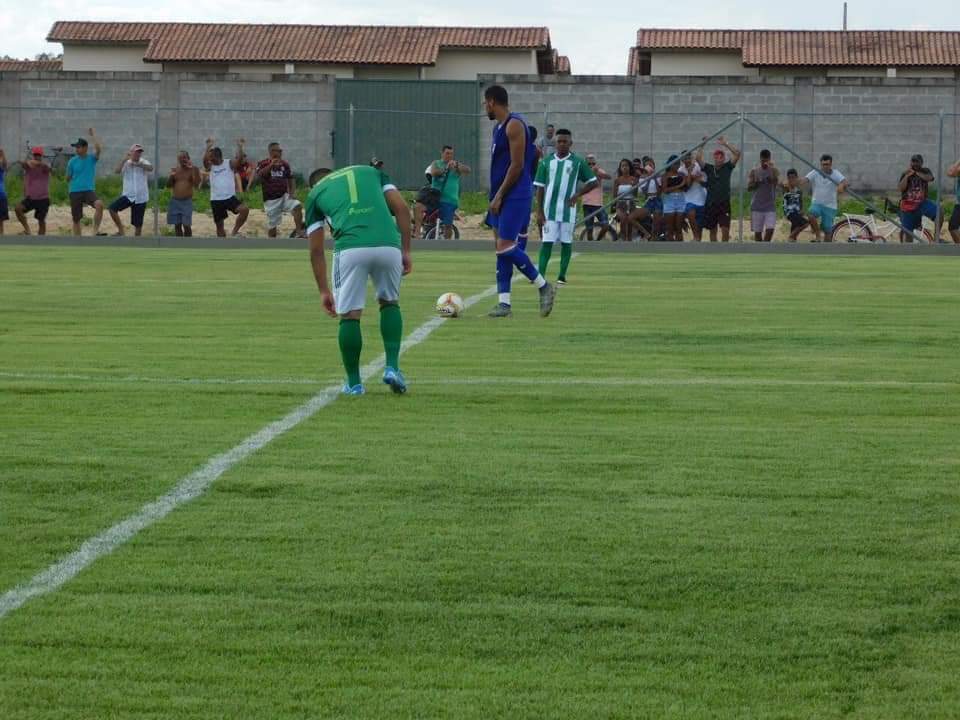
(556,183)
(370,223)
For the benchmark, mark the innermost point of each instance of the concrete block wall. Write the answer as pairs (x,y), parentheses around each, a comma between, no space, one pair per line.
(56,108)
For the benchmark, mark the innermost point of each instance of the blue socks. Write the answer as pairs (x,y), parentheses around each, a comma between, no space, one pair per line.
(523,263)
(504,273)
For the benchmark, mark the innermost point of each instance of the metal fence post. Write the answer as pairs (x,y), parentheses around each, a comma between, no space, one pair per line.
(350,136)
(939,220)
(156,170)
(742,176)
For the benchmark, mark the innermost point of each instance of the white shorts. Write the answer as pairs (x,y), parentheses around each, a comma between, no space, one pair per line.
(760,221)
(554,231)
(277,207)
(353,266)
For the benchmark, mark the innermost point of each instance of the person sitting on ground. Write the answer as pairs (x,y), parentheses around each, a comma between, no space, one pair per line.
(593,209)
(81,180)
(136,190)
(762,182)
(914,188)
(793,204)
(625,193)
(279,191)
(223,187)
(183,180)
(954,226)
(36,192)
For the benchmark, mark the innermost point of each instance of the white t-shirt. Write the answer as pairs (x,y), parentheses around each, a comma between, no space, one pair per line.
(823,188)
(222,184)
(696,194)
(135,181)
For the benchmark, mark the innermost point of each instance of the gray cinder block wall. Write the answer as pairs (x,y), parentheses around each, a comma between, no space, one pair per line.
(55,108)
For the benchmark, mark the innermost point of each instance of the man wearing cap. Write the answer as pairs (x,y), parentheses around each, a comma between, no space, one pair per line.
(36,191)
(81,176)
(136,192)
(279,191)
(717,209)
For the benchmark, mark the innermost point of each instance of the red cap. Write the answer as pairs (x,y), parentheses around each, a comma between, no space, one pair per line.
(38,150)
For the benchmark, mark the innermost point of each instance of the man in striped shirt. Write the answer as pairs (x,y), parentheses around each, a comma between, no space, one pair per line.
(556,183)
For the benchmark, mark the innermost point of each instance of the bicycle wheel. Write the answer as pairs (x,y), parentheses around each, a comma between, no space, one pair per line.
(431,233)
(851,230)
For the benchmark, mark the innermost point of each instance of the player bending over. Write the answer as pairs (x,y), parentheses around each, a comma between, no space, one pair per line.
(511,192)
(370,223)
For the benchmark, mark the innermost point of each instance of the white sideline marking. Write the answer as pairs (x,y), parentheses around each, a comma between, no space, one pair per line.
(196,483)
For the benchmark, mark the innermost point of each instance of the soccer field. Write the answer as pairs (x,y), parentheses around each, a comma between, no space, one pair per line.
(705,487)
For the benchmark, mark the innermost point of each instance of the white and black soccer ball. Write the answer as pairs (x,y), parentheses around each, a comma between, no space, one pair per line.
(450,305)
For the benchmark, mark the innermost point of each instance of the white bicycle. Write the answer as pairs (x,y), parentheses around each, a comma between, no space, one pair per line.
(867,229)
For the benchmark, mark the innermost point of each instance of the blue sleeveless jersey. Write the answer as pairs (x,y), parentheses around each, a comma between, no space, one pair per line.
(500,162)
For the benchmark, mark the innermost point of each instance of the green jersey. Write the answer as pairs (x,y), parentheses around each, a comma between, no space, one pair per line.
(559,178)
(448,184)
(351,202)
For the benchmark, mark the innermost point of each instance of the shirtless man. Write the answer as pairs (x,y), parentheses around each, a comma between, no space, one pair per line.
(183,179)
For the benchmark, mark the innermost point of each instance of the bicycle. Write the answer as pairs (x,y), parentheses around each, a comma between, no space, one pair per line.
(433,229)
(866,229)
(57,160)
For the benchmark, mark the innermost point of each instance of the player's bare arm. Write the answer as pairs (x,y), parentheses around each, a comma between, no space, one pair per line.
(517,137)
(318,262)
(97,147)
(400,211)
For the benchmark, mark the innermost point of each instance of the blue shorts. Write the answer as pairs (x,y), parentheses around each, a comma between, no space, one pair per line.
(654,204)
(929,209)
(824,214)
(701,212)
(513,219)
(447,211)
(912,219)
(600,218)
(674,203)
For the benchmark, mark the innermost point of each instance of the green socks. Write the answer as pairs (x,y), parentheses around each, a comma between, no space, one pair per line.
(566,252)
(351,342)
(391,328)
(546,250)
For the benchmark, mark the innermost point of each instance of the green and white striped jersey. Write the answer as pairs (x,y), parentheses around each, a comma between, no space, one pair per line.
(559,178)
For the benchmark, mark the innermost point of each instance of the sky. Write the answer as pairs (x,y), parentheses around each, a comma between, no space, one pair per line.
(595,37)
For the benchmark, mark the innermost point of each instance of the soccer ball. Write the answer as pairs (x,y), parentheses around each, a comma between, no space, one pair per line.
(450,305)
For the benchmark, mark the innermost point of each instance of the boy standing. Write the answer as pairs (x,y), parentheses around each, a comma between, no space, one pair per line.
(793,204)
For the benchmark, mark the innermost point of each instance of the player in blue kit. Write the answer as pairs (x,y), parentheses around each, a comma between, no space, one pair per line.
(511,194)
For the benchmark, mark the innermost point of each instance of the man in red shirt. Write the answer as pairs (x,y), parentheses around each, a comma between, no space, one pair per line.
(279,191)
(36,192)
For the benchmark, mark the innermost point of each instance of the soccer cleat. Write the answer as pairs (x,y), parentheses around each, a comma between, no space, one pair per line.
(561,281)
(548,294)
(395,379)
(357,389)
(501,310)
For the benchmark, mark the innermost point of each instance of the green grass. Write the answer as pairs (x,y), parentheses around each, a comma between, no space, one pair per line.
(687,494)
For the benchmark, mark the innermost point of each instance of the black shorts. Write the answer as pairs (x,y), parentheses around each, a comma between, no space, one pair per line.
(220,208)
(136,213)
(717,213)
(4,208)
(955,217)
(78,200)
(797,221)
(38,207)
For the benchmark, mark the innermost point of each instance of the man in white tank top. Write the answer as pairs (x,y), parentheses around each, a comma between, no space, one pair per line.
(223,187)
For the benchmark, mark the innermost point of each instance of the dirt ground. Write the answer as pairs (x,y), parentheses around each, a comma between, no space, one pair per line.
(58,223)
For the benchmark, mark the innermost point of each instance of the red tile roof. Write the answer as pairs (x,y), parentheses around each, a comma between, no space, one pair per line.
(884,48)
(562,65)
(30,65)
(327,44)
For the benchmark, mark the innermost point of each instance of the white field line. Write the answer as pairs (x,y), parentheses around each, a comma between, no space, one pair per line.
(717,381)
(196,483)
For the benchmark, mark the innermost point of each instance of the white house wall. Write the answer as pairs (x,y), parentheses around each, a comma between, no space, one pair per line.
(699,64)
(467,64)
(98,58)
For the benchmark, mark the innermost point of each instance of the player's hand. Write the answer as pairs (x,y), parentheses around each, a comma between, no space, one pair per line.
(210,142)
(541,218)
(572,202)
(407,263)
(91,132)
(329,306)
(495,205)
